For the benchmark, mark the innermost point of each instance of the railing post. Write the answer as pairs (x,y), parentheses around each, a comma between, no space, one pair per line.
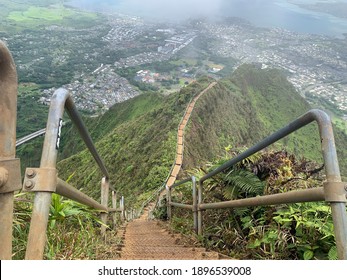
(334,190)
(104,201)
(9,166)
(48,179)
(199,210)
(195,205)
(122,208)
(168,201)
(114,205)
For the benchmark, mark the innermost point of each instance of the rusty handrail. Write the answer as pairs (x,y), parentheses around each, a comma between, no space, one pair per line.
(44,180)
(334,190)
(9,165)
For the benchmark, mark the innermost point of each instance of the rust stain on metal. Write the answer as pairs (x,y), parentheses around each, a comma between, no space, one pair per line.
(8,103)
(40,180)
(3,176)
(6,217)
(10,174)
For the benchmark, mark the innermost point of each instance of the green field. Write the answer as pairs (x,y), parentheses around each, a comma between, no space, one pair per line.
(39,15)
(31,15)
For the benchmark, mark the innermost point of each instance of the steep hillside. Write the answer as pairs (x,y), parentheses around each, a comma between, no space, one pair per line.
(102,125)
(139,150)
(244,109)
(138,138)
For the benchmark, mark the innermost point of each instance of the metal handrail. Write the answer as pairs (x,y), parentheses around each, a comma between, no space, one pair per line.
(61,100)
(334,191)
(43,181)
(193,207)
(9,165)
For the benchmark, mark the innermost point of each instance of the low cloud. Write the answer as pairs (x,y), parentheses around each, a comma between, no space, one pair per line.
(172,9)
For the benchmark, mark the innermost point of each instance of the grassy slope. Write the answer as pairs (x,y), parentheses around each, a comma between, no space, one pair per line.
(15,16)
(246,108)
(140,149)
(102,125)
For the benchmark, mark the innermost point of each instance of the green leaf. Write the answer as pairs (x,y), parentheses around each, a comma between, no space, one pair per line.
(308,255)
(333,253)
(255,244)
(62,213)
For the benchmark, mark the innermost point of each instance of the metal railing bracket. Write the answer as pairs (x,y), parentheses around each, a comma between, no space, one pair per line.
(10,178)
(40,180)
(335,191)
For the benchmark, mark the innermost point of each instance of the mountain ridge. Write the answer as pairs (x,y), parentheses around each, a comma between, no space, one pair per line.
(140,151)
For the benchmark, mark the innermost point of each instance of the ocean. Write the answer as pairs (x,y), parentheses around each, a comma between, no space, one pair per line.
(261,13)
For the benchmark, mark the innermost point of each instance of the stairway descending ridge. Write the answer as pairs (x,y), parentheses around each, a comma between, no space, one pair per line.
(145,239)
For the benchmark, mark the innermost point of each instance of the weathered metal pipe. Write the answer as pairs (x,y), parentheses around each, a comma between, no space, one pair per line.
(8,112)
(168,198)
(111,210)
(305,119)
(181,183)
(181,205)
(123,208)
(114,206)
(8,103)
(331,168)
(68,191)
(332,172)
(61,99)
(199,210)
(38,226)
(308,195)
(6,220)
(104,202)
(195,205)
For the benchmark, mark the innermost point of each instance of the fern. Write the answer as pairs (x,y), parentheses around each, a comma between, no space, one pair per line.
(242,183)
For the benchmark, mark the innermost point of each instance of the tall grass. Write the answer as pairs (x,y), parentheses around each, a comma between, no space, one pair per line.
(73,230)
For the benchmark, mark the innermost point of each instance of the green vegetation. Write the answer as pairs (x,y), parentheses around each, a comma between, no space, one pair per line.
(138,138)
(31,116)
(33,14)
(297,231)
(73,230)
(244,109)
(103,125)
(138,151)
(40,14)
